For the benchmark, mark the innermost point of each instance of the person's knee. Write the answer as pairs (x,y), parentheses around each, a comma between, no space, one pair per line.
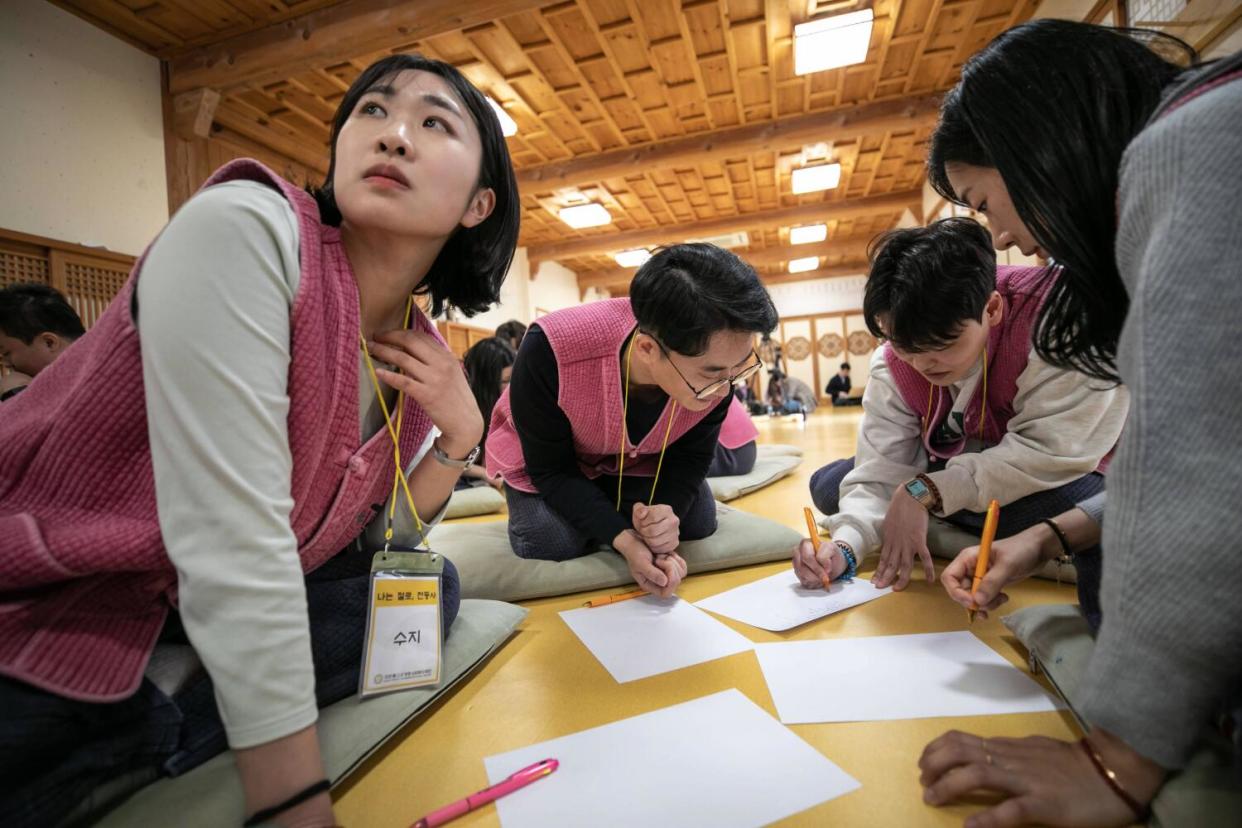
(450,595)
(549,540)
(826,485)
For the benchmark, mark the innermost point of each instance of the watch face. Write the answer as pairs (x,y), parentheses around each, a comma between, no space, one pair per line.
(917,489)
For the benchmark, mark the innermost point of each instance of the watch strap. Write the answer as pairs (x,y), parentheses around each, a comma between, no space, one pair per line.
(445,460)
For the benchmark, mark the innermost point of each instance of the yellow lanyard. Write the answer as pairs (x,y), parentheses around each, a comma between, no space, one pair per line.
(625,410)
(398,478)
(983,414)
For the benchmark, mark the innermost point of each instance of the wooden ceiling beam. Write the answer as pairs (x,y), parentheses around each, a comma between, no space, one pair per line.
(329,35)
(845,123)
(789,216)
(853,248)
(621,287)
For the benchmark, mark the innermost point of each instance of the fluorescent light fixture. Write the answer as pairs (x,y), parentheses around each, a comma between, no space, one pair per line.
(637,257)
(819,177)
(808,233)
(832,42)
(508,126)
(585,215)
(803,265)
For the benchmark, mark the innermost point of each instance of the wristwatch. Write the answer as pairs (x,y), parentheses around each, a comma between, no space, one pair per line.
(445,460)
(924,491)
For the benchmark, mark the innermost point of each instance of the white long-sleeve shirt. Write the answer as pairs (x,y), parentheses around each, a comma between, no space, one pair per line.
(1062,427)
(213,305)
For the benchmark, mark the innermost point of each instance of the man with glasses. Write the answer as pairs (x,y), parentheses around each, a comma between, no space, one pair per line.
(614,411)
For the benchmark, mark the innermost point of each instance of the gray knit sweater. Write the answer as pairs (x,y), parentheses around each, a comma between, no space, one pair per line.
(1169,654)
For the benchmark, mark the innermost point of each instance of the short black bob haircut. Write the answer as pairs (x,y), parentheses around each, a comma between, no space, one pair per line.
(1051,105)
(30,308)
(926,282)
(472,265)
(687,292)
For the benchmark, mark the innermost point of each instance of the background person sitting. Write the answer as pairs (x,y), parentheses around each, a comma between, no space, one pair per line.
(37,324)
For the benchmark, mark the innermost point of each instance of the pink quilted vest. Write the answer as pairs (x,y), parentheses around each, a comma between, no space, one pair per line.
(1009,345)
(737,429)
(586,341)
(85,581)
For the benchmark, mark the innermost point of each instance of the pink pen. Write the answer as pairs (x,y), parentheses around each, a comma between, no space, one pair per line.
(477,800)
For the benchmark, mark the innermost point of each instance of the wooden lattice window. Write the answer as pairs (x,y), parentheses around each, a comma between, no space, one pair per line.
(89,278)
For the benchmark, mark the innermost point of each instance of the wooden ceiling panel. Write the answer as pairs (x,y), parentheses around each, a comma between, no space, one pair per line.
(641,105)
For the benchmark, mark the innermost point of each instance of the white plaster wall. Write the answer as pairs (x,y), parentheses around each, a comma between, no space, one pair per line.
(553,287)
(843,293)
(81,131)
(514,296)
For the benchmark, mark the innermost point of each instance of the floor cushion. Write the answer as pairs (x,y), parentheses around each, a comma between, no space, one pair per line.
(477,500)
(489,569)
(768,469)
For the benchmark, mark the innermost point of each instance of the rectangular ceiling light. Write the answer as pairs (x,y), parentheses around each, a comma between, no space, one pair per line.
(808,233)
(585,215)
(508,126)
(803,265)
(636,257)
(819,177)
(832,42)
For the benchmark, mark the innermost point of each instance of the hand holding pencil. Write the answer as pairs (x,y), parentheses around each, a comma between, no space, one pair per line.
(1010,560)
(816,563)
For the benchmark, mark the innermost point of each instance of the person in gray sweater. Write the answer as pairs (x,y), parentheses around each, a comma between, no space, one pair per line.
(1084,145)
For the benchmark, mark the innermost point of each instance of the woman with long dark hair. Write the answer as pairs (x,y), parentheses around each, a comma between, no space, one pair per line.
(1103,151)
(211,460)
(489,366)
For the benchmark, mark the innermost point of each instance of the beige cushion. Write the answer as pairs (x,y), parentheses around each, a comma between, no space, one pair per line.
(477,500)
(489,569)
(768,469)
(1206,792)
(945,540)
(349,732)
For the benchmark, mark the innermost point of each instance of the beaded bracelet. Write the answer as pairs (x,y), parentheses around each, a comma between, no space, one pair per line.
(851,561)
(1141,812)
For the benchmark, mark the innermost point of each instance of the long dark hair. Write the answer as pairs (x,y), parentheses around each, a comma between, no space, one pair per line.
(485,361)
(472,264)
(1051,105)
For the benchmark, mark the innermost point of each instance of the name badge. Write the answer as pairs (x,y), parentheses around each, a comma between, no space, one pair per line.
(404,636)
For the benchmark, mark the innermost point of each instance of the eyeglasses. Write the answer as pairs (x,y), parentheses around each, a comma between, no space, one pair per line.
(709,391)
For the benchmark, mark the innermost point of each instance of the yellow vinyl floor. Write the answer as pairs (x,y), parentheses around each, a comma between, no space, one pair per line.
(543,684)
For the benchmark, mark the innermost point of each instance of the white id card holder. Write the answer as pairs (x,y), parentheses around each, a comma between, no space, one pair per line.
(404,636)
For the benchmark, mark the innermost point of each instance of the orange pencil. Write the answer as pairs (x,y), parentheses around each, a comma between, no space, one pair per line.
(813,532)
(612,599)
(985,549)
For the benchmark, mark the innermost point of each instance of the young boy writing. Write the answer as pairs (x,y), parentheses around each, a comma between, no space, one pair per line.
(958,410)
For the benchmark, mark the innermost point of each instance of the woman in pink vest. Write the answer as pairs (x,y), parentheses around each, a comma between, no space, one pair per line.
(208,461)
(1124,167)
(958,411)
(737,448)
(606,432)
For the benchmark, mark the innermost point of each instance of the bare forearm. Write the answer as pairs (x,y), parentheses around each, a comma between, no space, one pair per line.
(271,773)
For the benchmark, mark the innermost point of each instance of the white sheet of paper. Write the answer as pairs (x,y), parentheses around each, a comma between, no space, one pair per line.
(780,603)
(647,636)
(720,760)
(895,677)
